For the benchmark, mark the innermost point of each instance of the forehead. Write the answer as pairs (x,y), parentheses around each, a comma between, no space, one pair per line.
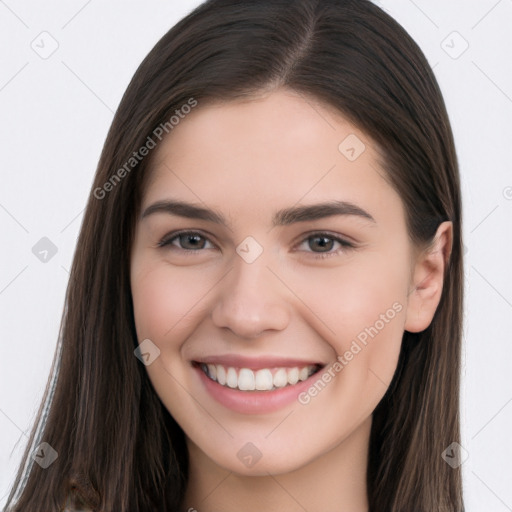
(281,147)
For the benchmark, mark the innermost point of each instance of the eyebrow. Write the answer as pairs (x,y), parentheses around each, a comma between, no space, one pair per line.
(283,217)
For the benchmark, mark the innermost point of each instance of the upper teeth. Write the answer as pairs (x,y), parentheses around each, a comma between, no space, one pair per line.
(262,380)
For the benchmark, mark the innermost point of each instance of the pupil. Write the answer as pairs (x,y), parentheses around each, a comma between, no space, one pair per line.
(322,239)
(190,239)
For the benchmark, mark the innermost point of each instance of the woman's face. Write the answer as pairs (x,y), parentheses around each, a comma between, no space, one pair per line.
(293,258)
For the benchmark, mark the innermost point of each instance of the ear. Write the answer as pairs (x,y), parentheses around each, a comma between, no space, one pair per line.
(427,280)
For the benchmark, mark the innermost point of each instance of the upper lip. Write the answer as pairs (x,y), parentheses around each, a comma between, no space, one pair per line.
(256,363)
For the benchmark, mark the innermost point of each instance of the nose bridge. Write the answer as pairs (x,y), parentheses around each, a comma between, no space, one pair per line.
(251,298)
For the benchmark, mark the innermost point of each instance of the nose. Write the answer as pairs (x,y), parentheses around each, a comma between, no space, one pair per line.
(251,300)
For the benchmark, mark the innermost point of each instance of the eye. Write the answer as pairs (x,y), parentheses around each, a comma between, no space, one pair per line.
(194,241)
(325,242)
(190,241)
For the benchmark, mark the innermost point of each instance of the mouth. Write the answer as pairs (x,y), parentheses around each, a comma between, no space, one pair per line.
(254,385)
(261,379)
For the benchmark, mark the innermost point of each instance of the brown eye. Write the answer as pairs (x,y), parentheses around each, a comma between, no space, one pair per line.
(191,241)
(321,245)
(324,243)
(186,241)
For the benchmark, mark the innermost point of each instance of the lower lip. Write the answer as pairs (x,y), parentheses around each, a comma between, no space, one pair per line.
(254,402)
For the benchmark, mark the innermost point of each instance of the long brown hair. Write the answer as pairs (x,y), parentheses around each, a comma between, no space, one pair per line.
(118,447)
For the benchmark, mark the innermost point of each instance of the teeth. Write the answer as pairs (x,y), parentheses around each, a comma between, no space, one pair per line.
(264,380)
(280,378)
(221,375)
(261,380)
(293,376)
(246,379)
(212,371)
(231,378)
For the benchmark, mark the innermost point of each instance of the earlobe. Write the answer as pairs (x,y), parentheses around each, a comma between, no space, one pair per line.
(427,281)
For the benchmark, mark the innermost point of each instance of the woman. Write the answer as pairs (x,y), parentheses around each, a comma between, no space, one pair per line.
(264,310)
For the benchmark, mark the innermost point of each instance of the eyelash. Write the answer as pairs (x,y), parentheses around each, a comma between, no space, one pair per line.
(167,240)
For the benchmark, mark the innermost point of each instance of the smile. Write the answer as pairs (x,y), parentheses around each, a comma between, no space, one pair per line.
(254,385)
(264,379)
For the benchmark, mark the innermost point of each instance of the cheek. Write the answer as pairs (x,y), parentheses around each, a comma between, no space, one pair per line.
(360,311)
(153,306)
(346,300)
(168,304)
(373,325)
(161,300)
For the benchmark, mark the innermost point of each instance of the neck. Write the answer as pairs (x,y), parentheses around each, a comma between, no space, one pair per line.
(334,481)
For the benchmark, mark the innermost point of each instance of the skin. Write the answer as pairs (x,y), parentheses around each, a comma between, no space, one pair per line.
(247,160)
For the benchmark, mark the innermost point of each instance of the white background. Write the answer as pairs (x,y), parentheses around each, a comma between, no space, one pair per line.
(54,116)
